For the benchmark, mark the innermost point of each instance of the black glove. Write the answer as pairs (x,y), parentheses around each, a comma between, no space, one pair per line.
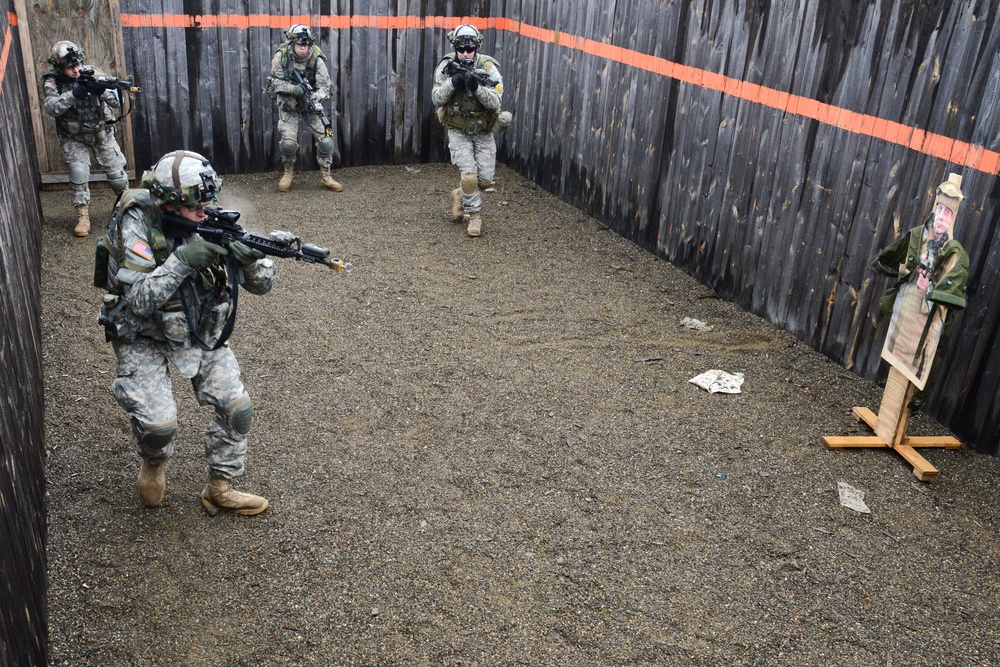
(472,84)
(298,91)
(458,81)
(244,254)
(200,254)
(81,92)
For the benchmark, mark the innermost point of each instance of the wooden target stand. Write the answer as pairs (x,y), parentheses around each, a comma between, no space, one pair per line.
(890,428)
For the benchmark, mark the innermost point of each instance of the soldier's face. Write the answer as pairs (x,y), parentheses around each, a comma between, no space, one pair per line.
(465,53)
(943,219)
(73,71)
(301,50)
(192,213)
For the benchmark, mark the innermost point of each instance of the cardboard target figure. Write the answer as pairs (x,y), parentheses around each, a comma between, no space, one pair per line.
(930,270)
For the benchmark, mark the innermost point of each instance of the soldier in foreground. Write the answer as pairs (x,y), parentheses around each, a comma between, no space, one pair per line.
(300,84)
(83,109)
(169,304)
(467,93)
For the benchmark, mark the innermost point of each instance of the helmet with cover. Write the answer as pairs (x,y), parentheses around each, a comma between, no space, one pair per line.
(183,178)
(300,34)
(466,36)
(949,193)
(65,54)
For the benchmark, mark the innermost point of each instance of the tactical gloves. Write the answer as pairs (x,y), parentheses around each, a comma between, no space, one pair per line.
(244,254)
(200,254)
(472,84)
(458,81)
(298,91)
(80,92)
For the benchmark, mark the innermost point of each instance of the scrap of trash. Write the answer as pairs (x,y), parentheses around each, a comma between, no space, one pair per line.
(691,323)
(719,382)
(851,498)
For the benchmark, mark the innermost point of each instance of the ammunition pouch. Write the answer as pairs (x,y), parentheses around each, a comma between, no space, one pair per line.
(115,320)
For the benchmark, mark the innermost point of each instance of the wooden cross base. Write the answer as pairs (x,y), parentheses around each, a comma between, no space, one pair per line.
(890,428)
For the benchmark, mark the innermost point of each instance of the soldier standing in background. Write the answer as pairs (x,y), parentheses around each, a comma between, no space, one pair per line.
(301,54)
(85,125)
(467,93)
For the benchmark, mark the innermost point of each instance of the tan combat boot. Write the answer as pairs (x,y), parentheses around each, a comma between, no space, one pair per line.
(457,212)
(219,495)
(475,227)
(328,182)
(152,483)
(285,184)
(82,220)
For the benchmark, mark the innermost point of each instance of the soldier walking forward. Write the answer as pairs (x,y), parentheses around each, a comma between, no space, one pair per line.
(467,93)
(168,308)
(84,123)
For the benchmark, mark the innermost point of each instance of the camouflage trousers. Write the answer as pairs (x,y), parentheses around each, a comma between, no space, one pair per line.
(77,154)
(473,153)
(288,129)
(142,387)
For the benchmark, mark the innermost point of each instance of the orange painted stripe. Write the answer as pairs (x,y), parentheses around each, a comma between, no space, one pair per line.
(936,145)
(5,53)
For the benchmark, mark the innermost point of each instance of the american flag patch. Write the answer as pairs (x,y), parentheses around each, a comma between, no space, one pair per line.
(142,249)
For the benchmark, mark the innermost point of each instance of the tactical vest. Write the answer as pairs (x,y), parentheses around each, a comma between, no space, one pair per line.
(82,121)
(462,111)
(289,102)
(111,255)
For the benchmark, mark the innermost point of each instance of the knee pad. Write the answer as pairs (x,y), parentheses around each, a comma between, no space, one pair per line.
(470,181)
(289,149)
(238,416)
(79,173)
(119,185)
(325,146)
(154,436)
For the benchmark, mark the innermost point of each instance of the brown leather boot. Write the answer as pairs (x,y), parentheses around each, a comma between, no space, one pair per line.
(152,483)
(328,182)
(285,184)
(475,227)
(457,212)
(219,495)
(82,220)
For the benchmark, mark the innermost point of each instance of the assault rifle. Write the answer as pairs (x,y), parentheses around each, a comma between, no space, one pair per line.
(315,105)
(221,228)
(98,84)
(467,71)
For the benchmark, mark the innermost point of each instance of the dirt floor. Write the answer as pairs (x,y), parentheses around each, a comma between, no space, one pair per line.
(488,452)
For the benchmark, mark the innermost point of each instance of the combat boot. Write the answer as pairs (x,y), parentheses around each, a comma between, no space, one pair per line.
(285,184)
(219,495)
(457,212)
(152,483)
(475,227)
(328,182)
(82,220)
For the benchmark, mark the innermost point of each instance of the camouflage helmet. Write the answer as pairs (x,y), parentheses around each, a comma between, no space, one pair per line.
(65,54)
(949,193)
(299,34)
(183,178)
(466,35)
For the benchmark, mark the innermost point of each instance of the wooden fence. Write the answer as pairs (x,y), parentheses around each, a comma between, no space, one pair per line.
(22,462)
(769,148)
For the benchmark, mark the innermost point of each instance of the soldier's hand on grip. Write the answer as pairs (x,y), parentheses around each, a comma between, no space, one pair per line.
(458,81)
(200,254)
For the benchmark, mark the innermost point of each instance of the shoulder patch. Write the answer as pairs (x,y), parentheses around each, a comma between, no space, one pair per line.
(142,249)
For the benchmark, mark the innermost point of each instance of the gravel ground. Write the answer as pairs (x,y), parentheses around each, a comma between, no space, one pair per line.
(487,452)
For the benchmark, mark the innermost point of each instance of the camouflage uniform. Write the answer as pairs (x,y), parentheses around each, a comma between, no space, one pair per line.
(82,130)
(470,121)
(152,295)
(291,109)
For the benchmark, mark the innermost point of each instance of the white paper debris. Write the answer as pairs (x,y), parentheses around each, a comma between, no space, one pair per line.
(852,499)
(716,381)
(691,323)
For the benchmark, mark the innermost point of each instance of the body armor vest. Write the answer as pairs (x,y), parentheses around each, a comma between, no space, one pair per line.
(85,120)
(462,111)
